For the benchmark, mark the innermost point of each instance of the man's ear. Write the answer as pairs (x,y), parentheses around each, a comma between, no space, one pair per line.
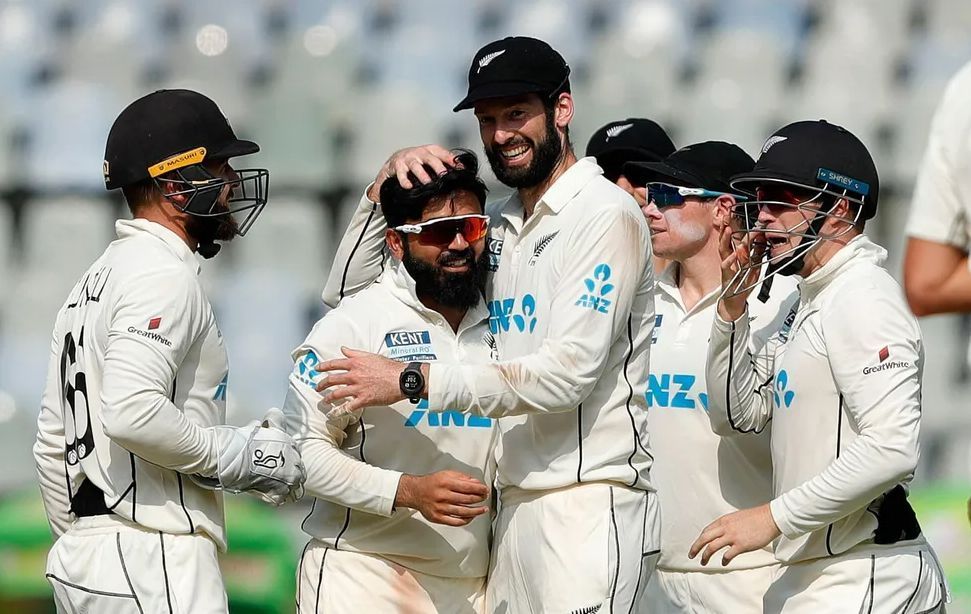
(722,212)
(563,110)
(169,191)
(393,239)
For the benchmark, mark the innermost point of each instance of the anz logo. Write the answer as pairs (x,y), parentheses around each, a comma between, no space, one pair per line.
(221,389)
(783,396)
(597,290)
(445,418)
(674,390)
(506,313)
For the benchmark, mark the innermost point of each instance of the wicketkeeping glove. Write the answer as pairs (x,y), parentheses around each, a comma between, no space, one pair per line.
(260,458)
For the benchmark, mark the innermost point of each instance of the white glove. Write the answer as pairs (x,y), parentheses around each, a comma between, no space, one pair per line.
(260,458)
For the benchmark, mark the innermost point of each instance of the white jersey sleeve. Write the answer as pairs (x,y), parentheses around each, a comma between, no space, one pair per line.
(940,205)
(139,375)
(739,376)
(360,254)
(565,369)
(332,473)
(49,452)
(876,356)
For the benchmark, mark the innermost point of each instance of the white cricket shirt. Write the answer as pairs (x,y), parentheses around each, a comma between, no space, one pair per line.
(572,308)
(699,475)
(137,370)
(941,206)
(843,398)
(354,461)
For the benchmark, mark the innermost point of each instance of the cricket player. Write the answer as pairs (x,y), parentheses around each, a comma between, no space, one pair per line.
(699,475)
(634,139)
(399,521)
(936,273)
(630,140)
(571,306)
(937,276)
(843,394)
(131,448)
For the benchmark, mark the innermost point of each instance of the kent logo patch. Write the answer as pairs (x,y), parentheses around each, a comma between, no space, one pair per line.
(494,248)
(844,181)
(409,345)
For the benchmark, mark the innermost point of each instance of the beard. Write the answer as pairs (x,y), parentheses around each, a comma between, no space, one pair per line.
(545,156)
(212,228)
(458,290)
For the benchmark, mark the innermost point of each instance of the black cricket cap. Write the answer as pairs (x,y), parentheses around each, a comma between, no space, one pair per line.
(512,66)
(814,155)
(167,130)
(630,140)
(709,166)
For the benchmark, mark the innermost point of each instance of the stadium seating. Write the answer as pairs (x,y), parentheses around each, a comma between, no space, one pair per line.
(330,88)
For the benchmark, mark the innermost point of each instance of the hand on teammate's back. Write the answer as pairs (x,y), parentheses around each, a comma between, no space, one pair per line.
(412,160)
(260,458)
(444,497)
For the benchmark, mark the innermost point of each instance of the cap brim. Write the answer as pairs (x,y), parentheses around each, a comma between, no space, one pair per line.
(500,89)
(233,149)
(643,173)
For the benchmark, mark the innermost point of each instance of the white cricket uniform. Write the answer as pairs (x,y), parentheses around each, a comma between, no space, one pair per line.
(137,371)
(843,397)
(941,207)
(354,462)
(699,475)
(571,306)
(572,309)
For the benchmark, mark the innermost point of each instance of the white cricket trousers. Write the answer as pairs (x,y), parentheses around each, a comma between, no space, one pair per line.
(905,580)
(575,550)
(339,582)
(697,592)
(108,565)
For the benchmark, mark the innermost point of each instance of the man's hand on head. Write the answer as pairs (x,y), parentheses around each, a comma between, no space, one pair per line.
(362,379)
(412,160)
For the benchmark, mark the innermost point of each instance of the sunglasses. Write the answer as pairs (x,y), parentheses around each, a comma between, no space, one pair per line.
(783,195)
(667,195)
(441,231)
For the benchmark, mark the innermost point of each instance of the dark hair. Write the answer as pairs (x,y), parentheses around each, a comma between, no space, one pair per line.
(400,205)
(549,108)
(139,193)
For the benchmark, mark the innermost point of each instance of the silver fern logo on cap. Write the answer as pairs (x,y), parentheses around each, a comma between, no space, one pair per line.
(487,59)
(615,130)
(772,140)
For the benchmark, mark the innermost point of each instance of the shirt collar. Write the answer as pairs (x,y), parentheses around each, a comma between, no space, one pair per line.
(557,195)
(859,248)
(130,228)
(667,282)
(570,183)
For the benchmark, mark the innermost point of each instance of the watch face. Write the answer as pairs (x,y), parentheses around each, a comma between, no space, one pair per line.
(411,380)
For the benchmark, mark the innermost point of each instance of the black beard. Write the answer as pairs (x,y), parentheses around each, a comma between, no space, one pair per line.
(210,229)
(458,290)
(545,156)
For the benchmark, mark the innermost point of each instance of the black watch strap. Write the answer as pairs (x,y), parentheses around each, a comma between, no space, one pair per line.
(412,382)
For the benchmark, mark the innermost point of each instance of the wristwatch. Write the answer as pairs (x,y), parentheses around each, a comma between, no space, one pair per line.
(412,382)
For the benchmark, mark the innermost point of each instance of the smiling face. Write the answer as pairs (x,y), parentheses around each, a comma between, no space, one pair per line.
(784,214)
(451,273)
(520,138)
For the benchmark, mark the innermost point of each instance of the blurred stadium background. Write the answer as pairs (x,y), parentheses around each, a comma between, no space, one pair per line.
(330,87)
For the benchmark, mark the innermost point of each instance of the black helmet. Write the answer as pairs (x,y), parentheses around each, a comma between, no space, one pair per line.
(171,133)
